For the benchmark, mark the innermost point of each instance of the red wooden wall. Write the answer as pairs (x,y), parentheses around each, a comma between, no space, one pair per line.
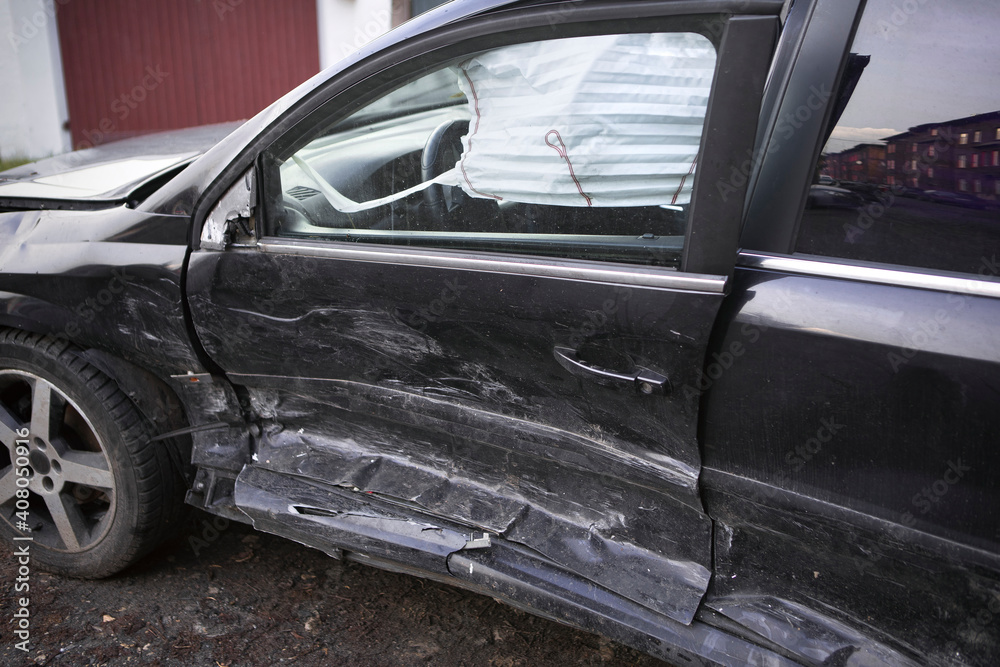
(133,67)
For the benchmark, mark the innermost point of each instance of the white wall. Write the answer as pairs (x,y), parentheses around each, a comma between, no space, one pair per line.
(33,101)
(33,107)
(347,25)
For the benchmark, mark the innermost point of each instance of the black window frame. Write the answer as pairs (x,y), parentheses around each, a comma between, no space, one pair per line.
(744,45)
(817,60)
(780,186)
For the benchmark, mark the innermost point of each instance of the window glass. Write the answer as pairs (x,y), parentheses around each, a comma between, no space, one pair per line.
(927,86)
(583,147)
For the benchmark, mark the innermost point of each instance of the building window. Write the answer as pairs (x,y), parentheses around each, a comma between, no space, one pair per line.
(892,179)
(963,138)
(913,148)
(977,186)
(977,136)
(975,160)
(934,132)
(996,187)
(930,172)
(892,164)
(998,134)
(996,158)
(892,149)
(963,161)
(963,185)
(930,151)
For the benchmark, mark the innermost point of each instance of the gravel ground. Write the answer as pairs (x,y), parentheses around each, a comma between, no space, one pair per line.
(238,597)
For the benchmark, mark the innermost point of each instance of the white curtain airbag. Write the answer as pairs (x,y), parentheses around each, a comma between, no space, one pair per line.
(588,121)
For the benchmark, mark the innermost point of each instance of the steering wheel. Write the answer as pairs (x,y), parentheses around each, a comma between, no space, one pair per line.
(442,150)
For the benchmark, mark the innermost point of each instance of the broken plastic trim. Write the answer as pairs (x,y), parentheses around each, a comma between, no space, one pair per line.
(236,206)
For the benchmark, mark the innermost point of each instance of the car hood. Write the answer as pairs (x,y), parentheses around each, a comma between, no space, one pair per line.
(112,171)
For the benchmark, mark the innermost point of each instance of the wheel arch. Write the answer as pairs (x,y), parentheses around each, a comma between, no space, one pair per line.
(154,398)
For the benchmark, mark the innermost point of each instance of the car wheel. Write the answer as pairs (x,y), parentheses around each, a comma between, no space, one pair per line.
(78,474)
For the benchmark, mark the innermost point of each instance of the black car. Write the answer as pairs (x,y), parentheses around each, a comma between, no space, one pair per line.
(526,297)
(829,196)
(954,199)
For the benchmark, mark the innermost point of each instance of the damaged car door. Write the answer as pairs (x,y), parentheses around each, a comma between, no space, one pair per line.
(472,292)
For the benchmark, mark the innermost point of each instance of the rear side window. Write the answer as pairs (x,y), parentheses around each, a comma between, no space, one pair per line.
(584,147)
(910,174)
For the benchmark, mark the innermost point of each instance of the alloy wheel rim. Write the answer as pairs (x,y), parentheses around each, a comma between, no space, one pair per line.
(70,485)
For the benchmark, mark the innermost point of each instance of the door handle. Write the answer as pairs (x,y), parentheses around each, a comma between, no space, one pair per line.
(642,380)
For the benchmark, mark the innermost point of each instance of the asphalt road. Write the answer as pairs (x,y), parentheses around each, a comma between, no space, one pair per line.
(236,597)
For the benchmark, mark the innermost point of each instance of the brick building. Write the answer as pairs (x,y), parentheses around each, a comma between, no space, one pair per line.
(864,163)
(960,155)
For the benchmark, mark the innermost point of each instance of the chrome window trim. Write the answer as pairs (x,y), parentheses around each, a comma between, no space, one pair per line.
(957,283)
(542,267)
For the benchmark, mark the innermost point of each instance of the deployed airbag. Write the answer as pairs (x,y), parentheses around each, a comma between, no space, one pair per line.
(611,120)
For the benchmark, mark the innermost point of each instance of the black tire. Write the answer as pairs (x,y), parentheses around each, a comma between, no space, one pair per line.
(100,495)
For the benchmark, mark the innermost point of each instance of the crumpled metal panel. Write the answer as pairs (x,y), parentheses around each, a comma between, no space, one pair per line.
(570,514)
(519,578)
(826,584)
(321,517)
(363,526)
(807,633)
(106,279)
